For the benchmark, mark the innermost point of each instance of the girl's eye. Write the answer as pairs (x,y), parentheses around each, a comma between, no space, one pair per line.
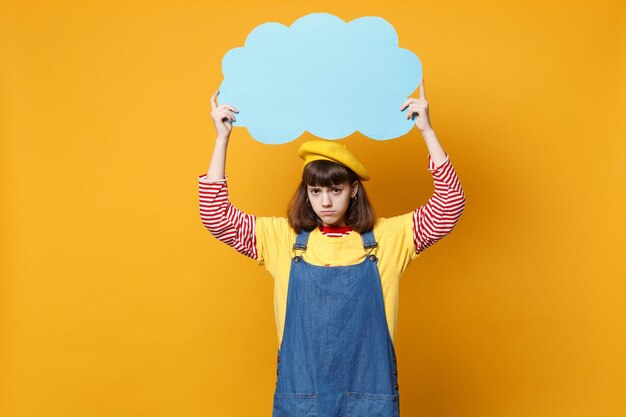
(315,191)
(337,190)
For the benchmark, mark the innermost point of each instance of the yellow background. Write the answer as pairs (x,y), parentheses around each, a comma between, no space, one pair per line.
(115,301)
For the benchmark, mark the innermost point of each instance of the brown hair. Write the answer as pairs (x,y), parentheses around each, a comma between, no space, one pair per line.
(322,173)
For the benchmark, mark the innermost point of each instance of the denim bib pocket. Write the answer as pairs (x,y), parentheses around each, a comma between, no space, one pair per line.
(363,404)
(293,404)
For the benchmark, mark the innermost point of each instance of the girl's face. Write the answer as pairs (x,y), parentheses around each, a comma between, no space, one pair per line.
(331,203)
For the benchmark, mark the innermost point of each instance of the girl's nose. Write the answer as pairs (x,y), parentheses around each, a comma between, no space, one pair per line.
(325,200)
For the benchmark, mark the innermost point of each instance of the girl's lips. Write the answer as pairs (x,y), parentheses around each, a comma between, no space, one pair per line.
(327,212)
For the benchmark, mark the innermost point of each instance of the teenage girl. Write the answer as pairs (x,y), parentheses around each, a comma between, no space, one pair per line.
(336,269)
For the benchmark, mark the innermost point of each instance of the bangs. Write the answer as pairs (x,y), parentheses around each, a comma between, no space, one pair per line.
(323,173)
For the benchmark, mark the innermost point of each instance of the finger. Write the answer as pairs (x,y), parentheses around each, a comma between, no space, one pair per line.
(422,90)
(415,111)
(407,102)
(417,106)
(227,115)
(214,99)
(228,107)
(223,114)
(410,112)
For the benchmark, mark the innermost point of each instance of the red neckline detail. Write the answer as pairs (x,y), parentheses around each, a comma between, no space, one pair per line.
(332,229)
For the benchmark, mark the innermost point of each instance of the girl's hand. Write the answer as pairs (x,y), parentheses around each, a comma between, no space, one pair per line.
(222,117)
(419,106)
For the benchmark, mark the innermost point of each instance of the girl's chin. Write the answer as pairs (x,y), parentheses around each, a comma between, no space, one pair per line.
(330,220)
(332,223)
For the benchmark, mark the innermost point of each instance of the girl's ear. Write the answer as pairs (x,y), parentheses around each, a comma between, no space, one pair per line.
(354,187)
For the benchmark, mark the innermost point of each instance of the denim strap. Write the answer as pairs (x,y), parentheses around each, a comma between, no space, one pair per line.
(301,240)
(368,240)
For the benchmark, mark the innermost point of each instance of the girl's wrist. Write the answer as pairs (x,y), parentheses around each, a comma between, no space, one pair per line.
(222,139)
(428,133)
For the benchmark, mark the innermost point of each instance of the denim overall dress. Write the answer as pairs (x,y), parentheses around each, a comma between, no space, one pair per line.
(336,358)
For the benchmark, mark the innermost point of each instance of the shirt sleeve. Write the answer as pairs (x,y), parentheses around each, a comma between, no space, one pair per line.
(439,215)
(223,220)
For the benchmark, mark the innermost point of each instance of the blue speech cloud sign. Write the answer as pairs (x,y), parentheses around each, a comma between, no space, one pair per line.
(321,75)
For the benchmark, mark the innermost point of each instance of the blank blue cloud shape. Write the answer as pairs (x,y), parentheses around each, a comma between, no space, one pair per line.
(321,75)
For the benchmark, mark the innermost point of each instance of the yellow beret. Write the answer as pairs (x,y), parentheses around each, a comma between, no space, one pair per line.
(315,150)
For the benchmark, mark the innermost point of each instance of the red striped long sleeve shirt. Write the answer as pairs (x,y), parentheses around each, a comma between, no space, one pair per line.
(431,221)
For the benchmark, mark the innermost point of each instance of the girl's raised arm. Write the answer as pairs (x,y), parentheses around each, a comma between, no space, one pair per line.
(223,220)
(439,215)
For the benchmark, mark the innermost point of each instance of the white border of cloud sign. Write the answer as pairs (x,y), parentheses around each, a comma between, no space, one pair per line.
(321,75)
